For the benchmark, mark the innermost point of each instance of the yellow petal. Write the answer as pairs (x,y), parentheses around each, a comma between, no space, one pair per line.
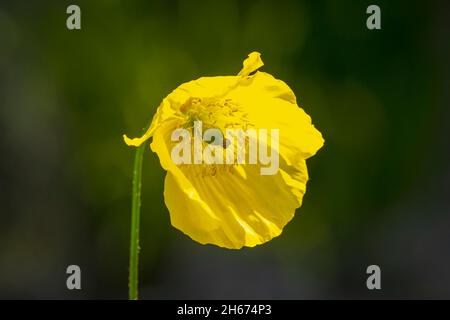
(251,64)
(230,208)
(249,210)
(271,104)
(188,212)
(190,202)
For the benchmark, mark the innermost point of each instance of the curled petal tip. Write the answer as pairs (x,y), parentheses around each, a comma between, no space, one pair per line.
(252,63)
(132,142)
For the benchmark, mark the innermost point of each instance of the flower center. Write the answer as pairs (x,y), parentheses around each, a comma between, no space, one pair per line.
(215,113)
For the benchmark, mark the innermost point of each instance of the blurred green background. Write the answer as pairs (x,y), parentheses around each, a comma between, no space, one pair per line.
(379,189)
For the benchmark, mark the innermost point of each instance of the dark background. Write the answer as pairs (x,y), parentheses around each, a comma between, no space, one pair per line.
(379,189)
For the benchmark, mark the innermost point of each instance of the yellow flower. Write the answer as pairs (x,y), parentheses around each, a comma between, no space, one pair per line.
(234,205)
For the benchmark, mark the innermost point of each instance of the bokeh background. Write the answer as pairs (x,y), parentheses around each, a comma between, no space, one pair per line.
(379,189)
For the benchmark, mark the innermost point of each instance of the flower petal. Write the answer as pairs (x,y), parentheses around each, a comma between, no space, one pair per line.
(230,208)
(251,64)
(249,209)
(271,104)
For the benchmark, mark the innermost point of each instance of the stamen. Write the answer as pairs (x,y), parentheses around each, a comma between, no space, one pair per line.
(217,113)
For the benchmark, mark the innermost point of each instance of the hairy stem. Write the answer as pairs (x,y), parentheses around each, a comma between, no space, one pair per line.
(135,220)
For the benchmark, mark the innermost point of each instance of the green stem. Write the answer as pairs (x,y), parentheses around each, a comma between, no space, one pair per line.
(135,218)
